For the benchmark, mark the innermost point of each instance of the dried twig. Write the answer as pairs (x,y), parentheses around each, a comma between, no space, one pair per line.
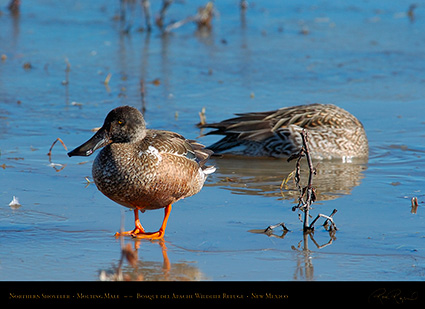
(202,117)
(67,70)
(307,194)
(269,230)
(415,205)
(203,18)
(54,165)
(107,79)
(51,147)
(161,16)
(146,9)
(243,4)
(14,6)
(143,95)
(310,191)
(328,218)
(410,12)
(178,24)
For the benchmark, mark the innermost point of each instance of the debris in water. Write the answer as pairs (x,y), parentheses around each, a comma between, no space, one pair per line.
(203,117)
(67,70)
(15,203)
(414,205)
(14,7)
(27,66)
(55,165)
(203,19)
(156,82)
(410,12)
(107,79)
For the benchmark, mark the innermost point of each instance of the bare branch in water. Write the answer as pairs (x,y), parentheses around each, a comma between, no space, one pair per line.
(202,117)
(14,7)
(146,10)
(55,165)
(143,95)
(310,192)
(203,19)
(269,230)
(414,205)
(160,18)
(307,194)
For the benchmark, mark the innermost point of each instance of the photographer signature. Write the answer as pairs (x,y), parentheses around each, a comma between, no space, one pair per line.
(383,295)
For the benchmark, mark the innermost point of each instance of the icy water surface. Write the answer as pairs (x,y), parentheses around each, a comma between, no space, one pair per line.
(364,56)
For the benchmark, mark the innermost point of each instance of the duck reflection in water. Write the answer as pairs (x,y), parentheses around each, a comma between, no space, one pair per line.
(263,177)
(137,269)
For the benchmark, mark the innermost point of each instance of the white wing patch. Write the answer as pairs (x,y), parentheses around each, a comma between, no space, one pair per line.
(152,151)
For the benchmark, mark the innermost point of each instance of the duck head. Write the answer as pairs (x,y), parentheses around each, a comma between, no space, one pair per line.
(123,124)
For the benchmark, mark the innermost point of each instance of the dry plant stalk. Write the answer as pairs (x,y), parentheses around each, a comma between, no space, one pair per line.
(203,19)
(202,117)
(146,10)
(51,147)
(143,95)
(415,205)
(160,18)
(14,7)
(308,194)
(54,165)
(67,70)
(107,79)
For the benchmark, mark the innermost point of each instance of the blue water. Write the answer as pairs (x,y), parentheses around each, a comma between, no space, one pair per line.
(366,57)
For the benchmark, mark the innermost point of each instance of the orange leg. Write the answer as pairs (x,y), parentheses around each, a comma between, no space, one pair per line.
(138,229)
(155,235)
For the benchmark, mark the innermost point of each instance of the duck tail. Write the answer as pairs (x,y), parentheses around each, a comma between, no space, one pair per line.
(226,143)
(208,169)
(201,153)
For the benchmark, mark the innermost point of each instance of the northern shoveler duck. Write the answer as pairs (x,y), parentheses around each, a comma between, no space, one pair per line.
(144,169)
(333,133)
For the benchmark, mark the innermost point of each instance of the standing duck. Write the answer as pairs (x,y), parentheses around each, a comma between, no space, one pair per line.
(144,169)
(333,133)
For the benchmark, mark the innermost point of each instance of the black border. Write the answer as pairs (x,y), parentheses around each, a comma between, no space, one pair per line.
(229,292)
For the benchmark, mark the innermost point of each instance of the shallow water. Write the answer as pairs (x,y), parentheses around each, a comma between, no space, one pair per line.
(366,57)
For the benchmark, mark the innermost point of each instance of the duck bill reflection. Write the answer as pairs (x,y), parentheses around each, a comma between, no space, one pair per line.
(99,140)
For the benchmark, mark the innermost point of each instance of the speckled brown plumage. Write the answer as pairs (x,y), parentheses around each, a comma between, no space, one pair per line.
(144,169)
(333,133)
(153,173)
